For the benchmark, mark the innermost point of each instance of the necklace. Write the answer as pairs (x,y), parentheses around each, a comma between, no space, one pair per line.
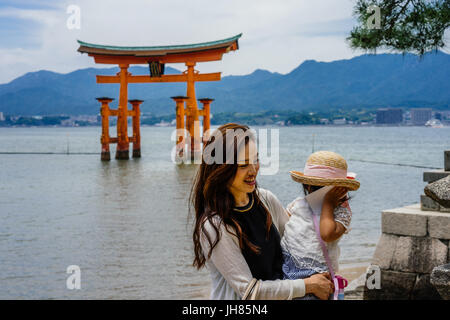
(249,206)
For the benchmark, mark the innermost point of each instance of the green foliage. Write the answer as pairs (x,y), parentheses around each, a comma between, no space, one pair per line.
(53,120)
(151,119)
(289,117)
(259,118)
(415,26)
(33,121)
(303,118)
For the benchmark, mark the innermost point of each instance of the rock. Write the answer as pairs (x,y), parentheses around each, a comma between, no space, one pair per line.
(428,204)
(394,286)
(423,289)
(355,289)
(439,191)
(418,254)
(385,251)
(440,278)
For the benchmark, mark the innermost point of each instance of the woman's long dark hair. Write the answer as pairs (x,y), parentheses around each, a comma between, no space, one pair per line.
(211,197)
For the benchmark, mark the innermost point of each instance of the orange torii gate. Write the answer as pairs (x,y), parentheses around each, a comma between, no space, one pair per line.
(156,57)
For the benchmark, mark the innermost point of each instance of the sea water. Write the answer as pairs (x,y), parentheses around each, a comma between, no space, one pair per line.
(125,223)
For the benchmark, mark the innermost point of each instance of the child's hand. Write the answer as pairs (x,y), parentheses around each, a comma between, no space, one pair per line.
(335,196)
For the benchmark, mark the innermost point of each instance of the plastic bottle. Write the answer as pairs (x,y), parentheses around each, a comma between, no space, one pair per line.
(341,294)
(342,283)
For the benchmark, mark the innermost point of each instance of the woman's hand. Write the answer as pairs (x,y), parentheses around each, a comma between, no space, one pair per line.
(320,285)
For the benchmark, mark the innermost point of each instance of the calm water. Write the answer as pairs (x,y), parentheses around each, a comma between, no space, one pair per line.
(125,222)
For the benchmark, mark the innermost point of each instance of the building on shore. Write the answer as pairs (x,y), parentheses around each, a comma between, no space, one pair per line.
(438,116)
(420,116)
(389,116)
(340,121)
(2,117)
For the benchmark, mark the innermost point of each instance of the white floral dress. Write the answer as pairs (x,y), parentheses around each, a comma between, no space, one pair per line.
(301,247)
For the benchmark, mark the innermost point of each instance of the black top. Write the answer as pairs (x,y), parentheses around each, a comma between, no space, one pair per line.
(267,265)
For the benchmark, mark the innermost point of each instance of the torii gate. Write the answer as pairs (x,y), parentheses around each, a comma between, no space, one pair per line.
(156,57)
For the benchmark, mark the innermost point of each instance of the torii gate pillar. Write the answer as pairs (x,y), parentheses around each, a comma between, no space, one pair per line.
(122,151)
(192,119)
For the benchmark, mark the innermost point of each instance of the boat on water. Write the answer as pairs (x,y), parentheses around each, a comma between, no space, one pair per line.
(434,123)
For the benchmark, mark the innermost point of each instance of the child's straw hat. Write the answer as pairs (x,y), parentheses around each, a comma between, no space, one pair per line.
(326,168)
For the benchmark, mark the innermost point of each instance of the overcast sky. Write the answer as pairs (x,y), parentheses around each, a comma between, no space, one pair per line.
(278,35)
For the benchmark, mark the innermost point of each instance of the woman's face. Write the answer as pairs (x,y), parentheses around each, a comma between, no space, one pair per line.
(248,166)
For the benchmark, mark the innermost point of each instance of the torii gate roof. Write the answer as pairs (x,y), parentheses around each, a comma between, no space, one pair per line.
(205,51)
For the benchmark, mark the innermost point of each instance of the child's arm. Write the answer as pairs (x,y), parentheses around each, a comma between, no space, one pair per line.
(330,230)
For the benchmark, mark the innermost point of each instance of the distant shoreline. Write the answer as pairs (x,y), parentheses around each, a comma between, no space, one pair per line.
(254,125)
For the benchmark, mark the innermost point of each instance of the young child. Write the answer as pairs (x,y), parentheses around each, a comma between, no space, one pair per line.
(302,251)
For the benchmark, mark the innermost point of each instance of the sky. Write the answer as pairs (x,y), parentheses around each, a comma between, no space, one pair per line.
(278,35)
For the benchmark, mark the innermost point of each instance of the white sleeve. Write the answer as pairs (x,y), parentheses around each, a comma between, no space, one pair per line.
(229,261)
(343,216)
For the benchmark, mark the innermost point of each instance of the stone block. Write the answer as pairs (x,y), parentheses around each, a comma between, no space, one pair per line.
(438,254)
(384,251)
(439,226)
(404,222)
(418,254)
(439,191)
(423,289)
(428,204)
(440,279)
(447,160)
(434,175)
(403,255)
(395,285)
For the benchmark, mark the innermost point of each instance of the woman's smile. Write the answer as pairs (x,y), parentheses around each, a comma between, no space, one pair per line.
(250,181)
(244,181)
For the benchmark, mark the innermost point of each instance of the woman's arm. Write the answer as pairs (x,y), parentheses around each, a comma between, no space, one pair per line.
(229,261)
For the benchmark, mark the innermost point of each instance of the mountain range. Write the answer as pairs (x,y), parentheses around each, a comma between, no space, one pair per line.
(366,81)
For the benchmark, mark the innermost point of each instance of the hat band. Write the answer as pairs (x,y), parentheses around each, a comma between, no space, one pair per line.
(321,171)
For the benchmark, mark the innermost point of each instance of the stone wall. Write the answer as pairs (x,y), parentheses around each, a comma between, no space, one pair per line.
(413,242)
(415,239)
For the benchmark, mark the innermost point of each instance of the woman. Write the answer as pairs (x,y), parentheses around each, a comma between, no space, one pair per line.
(238,226)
